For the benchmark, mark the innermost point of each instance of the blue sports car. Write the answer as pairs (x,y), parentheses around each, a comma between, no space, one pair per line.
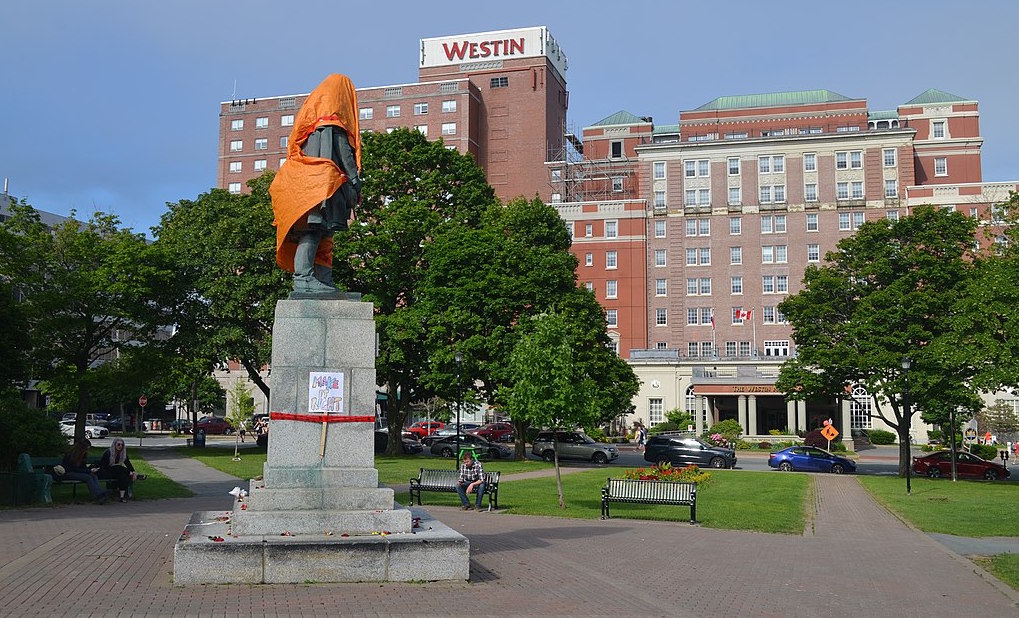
(810,459)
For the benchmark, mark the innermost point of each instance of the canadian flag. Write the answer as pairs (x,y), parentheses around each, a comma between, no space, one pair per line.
(744,314)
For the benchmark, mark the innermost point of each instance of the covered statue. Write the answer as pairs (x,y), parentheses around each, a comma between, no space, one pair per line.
(316,190)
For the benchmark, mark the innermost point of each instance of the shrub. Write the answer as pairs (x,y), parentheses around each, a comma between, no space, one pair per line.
(675,420)
(838,447)
(742,445)
(776,432)
(814,438)
(728,429)
(879,436)
(596,434)
(24,430)
(665,472)
(985,451)
(764,445)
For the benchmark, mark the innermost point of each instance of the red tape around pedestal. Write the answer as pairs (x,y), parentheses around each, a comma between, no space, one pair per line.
(319,418)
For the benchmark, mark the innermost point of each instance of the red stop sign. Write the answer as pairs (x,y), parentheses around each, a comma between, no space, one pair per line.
(143,401)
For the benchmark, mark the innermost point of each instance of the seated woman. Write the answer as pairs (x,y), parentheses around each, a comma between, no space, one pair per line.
(116,465)
(76,469)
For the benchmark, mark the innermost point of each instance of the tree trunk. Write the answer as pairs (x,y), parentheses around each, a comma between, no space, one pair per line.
(254,376)
(395,416)
(905,458)
(520,443)
(558,474)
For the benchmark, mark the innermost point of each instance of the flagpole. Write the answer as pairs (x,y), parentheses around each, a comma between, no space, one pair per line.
(754,324)
(714,346)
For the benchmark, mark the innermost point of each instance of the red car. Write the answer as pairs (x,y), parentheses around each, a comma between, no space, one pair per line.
(967,465)
(495,432)
(421,429)
(213,425)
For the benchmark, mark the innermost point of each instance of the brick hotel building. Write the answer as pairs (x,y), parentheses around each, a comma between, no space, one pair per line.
(689,234)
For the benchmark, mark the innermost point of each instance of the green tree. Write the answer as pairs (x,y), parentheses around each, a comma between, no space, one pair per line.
(483,282)
(551,387)
(414,192)
(676,419)
(242,409)
(88,292)
(999,418)
(887,293)
(222,250)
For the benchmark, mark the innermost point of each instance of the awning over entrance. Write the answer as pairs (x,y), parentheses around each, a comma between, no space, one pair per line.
(735,389)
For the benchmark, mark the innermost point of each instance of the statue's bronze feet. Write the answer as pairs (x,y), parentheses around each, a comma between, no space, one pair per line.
(311,288)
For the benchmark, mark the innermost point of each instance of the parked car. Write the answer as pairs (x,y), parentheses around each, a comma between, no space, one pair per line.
(446,447)
(409,446)
(684,450)
(91,431)
(572,445)
(116,424)
(99,420)
(495,432)
(180,425)
(214,425)
(449,430)
(967,465)
(810,459)
(425,428)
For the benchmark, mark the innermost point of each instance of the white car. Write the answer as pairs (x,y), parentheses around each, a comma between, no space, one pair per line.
(91,431)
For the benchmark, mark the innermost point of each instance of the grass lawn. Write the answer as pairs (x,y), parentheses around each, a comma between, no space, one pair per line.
(1003,566)
(734,500)
(393,470)
(962,508)
(156,486)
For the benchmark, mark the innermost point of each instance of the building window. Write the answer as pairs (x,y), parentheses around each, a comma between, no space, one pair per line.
(859,409)
(616,148)
(611,229)
(737,285)
(498,82)
(858,219)
(857,187)
(842,190)
(856,159)
(691,316)
(844,221)
(768,284)
(841,160)
(891,188)
(690,197)
(730,348)
(779,194)
(661,317)
(773,224)
(735,226)
(706,316)
(768,254)
(691,256)
(659,170)
(420,109)
(765,195)
(812,222)
(888,156)
(698,227)
(589,286)
(282,161)
(234,187)
(588,259)
(691,286)
(610,260)
(659,257)
(262,123)
(617,185)
(892,215)
(691,348)
(236,125)
(366,113)
(284,141)
(703,197)
(660,228)
(696,167)
(260,165)
(813,253)
(705,256)
(705,286)
(449,128)
(810,192)
(661,345)
(941,166)
(809,162)
(938,129)
(706,349)
(737,135)
(734,196)
(764,165)
(262,143)
(422,129)
(235,166)
(449,106)
(733,166)
(287,120)
(659,199)
(768,314)
(660,287)
(588,230)
(776,348)
(236,145)
(655,411)
(735,255)
(611,319)
(611,288)
(392,111)
(744,348)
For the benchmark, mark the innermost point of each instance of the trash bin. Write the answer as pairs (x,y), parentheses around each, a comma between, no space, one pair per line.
(200,438)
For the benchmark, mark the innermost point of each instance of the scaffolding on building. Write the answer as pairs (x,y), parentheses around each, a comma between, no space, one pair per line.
(573,178)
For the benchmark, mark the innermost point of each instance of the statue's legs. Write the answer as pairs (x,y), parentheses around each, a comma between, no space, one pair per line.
(309,276)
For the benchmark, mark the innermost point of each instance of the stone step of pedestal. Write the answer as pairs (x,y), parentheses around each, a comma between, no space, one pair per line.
(261,498)
(320,477)
(276,523)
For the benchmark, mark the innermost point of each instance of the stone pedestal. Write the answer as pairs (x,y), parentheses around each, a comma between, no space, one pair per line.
(318,513)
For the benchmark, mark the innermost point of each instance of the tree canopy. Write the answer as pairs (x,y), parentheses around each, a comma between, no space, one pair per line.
(891,291)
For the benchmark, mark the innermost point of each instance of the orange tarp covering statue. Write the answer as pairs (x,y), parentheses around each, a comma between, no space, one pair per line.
(304,185)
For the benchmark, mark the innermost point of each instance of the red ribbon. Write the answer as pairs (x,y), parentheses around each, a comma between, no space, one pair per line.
(319,418)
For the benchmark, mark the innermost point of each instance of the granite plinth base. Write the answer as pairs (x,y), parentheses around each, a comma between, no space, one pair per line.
(209,553)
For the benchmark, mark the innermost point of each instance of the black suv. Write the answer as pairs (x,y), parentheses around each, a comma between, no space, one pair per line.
(682,451)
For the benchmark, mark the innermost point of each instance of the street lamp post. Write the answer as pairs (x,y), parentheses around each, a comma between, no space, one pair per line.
(459,401)
(908,416)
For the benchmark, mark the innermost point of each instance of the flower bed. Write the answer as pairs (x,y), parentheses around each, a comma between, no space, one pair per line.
(665,472)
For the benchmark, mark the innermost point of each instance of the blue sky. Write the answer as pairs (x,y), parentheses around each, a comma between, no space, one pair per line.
(114,105)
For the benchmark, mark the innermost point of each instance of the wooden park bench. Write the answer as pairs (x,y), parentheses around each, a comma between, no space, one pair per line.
(649,492)
(445,481)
